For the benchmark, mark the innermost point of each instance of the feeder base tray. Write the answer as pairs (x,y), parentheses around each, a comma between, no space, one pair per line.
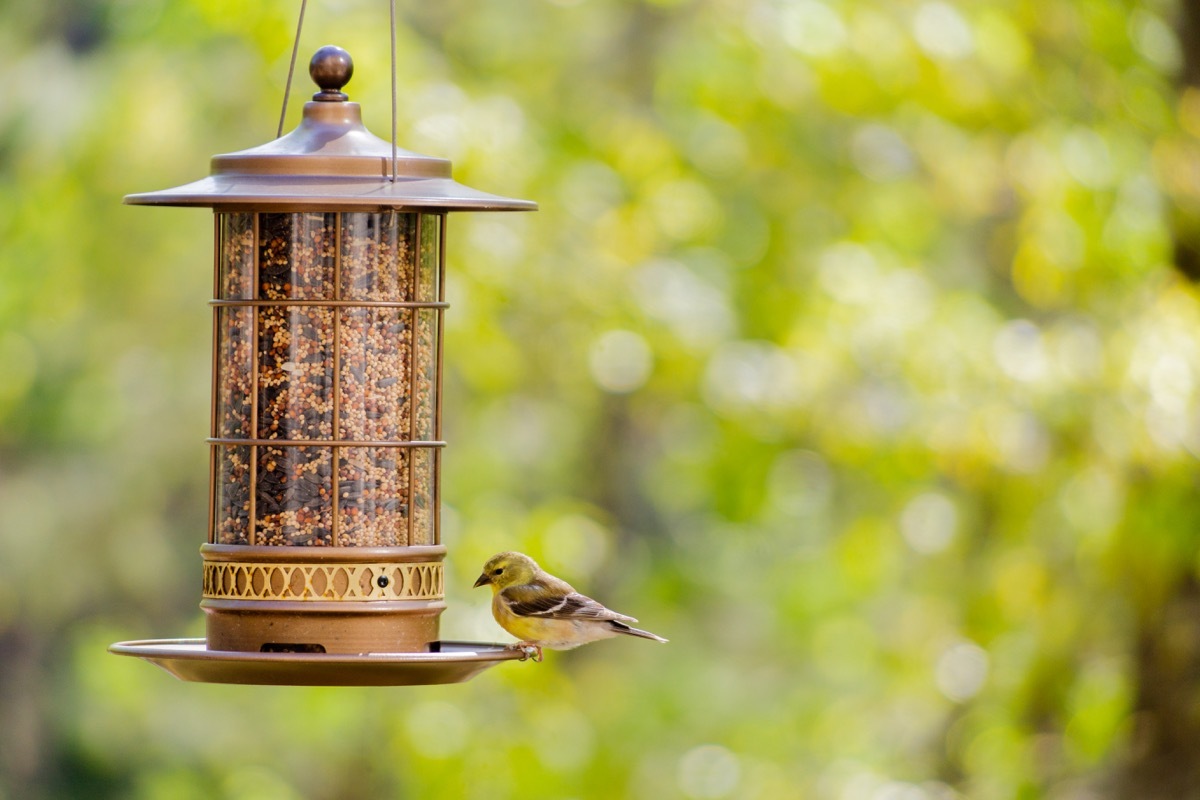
(445,662)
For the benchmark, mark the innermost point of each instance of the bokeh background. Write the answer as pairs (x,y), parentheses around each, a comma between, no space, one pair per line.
(854,348)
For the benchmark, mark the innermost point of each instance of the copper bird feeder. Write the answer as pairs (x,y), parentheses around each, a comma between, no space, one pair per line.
(323,563)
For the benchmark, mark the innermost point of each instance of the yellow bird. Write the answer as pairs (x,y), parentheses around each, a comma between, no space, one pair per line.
(543,611)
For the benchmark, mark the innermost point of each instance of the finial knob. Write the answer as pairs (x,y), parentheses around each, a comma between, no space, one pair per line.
(331,68)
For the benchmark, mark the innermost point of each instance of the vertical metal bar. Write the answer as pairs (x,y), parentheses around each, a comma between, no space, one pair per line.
(437,413)
(252,536)
(212,450)
(334,467)
(212,493)
(414,288)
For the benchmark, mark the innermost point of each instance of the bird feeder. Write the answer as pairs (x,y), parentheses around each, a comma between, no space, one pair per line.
(323,563)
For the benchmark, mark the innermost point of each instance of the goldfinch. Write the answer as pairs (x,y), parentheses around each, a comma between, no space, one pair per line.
(543,611)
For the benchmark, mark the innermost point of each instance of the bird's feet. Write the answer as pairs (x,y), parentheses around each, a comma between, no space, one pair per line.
(529,650)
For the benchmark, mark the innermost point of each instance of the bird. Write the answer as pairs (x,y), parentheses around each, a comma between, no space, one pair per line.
(544,611)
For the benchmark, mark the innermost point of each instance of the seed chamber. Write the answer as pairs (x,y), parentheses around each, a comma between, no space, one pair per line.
(347,378)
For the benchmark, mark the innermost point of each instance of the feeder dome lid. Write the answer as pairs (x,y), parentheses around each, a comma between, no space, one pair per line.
(330,160)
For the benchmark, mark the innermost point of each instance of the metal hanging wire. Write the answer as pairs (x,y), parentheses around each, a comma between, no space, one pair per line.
(287,89)
(392,5)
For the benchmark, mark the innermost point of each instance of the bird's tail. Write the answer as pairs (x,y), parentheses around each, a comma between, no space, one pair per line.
(621,627)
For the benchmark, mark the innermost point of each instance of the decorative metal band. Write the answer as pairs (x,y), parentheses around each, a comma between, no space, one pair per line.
(233,580)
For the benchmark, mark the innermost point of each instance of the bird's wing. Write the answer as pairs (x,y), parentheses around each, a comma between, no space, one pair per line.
(532,600)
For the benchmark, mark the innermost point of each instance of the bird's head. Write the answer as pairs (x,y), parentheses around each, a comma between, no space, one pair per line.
(507,569)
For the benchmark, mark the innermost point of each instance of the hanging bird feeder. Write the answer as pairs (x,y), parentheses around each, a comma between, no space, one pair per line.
(323,563)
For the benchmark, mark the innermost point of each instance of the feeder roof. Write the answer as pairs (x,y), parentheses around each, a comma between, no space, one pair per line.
(330,160)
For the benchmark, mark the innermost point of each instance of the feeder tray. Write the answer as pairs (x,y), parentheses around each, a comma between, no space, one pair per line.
(323,564)
(445,662)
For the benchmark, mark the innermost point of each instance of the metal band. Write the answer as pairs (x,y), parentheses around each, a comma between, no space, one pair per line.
(315,443)
(236,580)
(326,303)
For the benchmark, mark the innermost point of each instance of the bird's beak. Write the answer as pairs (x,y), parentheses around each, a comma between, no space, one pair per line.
(481,580)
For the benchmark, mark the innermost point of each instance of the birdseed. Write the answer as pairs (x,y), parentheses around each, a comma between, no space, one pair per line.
(320,367)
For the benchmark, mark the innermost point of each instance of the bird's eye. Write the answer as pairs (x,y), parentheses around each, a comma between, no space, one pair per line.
(497,570)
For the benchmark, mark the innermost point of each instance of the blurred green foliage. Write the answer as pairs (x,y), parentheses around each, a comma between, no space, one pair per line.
(845,351)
